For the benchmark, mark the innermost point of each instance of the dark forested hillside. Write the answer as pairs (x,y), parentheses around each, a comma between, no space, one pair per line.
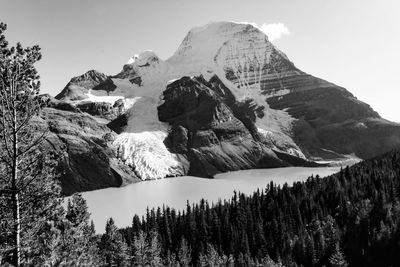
(347,219)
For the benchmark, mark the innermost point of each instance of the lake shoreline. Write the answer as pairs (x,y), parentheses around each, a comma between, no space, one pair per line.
(122,203)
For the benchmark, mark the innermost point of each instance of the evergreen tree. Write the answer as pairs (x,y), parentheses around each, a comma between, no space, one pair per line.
(113,249)
(45,241)
(211,258)
(337,259)
(21,162)
(185,253)
(65,239)
(230,262)
(154,250)
(78,235)
(170,260)
(140,250)
(147,250)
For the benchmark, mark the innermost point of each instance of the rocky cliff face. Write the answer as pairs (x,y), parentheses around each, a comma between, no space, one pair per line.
(204,129)
(87,161)
(227,99)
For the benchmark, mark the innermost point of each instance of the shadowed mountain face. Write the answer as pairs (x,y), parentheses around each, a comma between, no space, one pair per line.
(87,160)
(210,129)
(329,119)
(227,99)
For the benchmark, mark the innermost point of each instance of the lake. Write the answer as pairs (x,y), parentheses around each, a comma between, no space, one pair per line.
(123,202)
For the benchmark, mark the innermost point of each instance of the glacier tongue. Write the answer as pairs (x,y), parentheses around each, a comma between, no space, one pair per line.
(146,153)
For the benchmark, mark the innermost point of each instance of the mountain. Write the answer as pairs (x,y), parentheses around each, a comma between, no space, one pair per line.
(227,99)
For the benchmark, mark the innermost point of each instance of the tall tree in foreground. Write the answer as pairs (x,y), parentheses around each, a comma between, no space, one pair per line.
(22,165)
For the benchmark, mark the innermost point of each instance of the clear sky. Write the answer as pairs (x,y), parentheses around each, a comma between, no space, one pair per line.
(353,43)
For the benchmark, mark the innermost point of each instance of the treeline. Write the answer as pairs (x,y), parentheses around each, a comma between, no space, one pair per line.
(350,218)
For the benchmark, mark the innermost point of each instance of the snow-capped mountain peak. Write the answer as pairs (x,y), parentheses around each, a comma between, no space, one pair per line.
(204,42)
(226,81)
(239,52)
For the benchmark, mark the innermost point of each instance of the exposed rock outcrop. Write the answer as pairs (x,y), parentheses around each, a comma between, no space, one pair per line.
(87,160)
(211,130)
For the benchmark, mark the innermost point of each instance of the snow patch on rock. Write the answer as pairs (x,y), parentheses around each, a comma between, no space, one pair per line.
(129,102)
(101,98)
(281,142)
(280,92)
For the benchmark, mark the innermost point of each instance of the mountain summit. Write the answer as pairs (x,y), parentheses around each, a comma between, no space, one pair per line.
(227,99)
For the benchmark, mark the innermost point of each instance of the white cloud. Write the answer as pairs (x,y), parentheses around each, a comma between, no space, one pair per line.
(274,31)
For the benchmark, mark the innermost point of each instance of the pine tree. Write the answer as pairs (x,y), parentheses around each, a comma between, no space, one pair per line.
(65,238)
(147,250)
(185,253)
(309,251)
(112,246)
(170,260)
(211,258)
(154,250)
(337,258)
(79,235)
(44,241)
(140,249)
(230,262)
(21,162)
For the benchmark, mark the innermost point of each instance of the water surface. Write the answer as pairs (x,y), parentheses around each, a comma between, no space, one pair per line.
(122,203)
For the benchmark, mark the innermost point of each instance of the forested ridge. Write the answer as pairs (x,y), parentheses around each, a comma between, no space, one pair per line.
(349,218)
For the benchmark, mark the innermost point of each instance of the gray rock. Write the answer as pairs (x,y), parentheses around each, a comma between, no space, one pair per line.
(206,130)
(87,160)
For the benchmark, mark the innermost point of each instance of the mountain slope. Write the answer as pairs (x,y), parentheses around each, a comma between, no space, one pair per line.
(87,160)
(311,108)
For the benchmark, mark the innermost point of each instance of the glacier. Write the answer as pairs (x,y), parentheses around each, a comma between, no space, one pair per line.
(146,153)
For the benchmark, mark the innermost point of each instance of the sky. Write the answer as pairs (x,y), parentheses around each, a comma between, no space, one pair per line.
(352,43)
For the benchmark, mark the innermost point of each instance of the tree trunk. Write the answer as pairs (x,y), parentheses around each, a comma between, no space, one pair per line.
(16,212)
(15,195)
(17,226)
